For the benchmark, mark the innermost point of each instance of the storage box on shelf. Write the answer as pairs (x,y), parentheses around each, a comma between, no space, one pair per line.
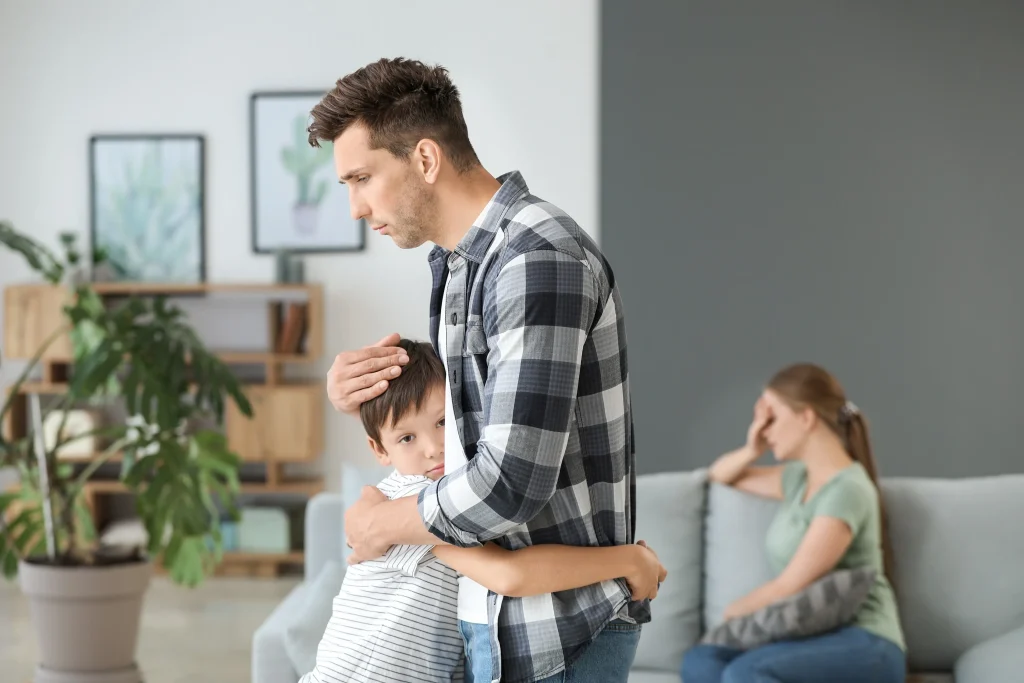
(287,425)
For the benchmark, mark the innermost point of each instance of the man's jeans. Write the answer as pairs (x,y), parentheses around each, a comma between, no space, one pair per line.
(606,660)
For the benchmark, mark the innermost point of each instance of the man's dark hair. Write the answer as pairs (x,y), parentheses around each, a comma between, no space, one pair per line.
(405,393)
(401,101)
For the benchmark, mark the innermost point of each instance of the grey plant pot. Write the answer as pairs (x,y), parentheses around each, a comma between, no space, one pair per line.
(86,620)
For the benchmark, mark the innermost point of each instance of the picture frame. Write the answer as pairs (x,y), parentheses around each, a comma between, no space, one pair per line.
(297,206)
(147,200)
(147,207)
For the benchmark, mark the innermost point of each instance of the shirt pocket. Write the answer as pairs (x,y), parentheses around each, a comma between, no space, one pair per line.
(476,341)
(474,355)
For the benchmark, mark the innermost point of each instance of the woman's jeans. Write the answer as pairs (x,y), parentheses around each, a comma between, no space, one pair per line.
(849,655)
(606,660)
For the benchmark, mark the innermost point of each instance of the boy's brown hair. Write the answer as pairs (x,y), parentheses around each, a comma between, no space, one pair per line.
(405,393)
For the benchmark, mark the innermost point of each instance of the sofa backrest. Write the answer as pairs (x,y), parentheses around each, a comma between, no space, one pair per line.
(735,561)
(959,557)
(669,517)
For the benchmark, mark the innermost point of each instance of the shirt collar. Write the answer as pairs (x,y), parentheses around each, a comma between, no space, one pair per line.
(474,245)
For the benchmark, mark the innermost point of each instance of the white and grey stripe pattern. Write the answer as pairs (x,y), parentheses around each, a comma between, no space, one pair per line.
(394,620)
(536,350)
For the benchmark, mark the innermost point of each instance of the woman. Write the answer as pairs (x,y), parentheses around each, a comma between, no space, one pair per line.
(831,517)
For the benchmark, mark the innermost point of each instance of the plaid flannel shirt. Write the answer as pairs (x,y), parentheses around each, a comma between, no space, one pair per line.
(537,368)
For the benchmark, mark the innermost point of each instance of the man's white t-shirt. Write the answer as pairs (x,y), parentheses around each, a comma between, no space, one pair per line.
(472,595)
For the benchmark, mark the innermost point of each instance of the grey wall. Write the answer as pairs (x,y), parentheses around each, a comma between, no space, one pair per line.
(834,182)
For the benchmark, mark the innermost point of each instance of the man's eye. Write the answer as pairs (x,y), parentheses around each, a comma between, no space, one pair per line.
(363,179)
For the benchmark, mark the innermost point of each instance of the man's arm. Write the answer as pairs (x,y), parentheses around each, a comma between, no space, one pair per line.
(552,568)
(536,315)
(373,524)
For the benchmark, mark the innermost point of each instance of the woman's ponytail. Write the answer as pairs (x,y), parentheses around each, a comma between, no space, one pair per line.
(858,444)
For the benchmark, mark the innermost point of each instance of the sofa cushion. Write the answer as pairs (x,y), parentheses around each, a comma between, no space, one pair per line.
(735,561)
(827,604)
(670,510)
(998,659)
(270,661)
(957,558)
(302,636)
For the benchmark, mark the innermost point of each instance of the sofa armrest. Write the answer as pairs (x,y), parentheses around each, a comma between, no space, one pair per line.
(270,660)
(325,530)
(998,659)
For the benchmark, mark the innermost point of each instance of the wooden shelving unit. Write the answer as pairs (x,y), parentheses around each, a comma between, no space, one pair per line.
(288,416)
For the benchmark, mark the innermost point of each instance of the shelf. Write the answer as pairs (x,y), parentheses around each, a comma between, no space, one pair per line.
(172,288)
(263,357)
(44,388)
(238,556)
(237,563)
(308,487)
(62,387)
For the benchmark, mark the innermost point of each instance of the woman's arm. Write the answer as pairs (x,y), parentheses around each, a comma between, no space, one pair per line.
(551,568)
(735,468)
(822,547)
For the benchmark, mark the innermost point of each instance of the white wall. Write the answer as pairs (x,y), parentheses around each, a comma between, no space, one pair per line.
(527,72)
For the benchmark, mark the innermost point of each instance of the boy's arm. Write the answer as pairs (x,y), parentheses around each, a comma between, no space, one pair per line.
(551,568)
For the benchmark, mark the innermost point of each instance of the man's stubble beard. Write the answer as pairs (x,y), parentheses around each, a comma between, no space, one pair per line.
(416,218)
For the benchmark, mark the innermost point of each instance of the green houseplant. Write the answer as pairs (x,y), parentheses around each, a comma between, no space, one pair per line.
(184,478)
(304,162)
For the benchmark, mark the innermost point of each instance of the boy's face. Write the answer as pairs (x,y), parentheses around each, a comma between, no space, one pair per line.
(415,444)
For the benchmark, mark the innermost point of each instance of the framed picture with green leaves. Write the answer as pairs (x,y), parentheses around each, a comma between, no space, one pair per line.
(297,204)
(147,202)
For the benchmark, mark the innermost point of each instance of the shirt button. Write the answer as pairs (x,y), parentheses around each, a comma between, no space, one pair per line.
(455,318)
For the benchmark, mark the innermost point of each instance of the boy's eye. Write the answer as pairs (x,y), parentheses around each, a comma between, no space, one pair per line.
(406,439)
(441,423)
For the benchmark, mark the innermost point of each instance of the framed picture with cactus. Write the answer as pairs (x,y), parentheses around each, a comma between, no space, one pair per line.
(297,204)
(148,207)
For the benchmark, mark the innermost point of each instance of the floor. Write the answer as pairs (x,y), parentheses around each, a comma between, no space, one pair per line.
(188,635)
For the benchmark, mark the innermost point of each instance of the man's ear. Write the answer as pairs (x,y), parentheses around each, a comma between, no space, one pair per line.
(427,157)
(378,451)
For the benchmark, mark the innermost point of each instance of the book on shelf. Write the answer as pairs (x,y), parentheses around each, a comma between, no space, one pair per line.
(292,331)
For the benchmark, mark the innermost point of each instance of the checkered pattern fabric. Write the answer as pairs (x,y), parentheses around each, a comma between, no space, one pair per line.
(537,367)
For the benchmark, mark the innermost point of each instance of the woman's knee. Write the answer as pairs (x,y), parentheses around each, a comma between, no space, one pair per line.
(703,664)
(747,670)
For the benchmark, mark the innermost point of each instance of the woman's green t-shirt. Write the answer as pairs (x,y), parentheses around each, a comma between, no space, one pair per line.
(850,496)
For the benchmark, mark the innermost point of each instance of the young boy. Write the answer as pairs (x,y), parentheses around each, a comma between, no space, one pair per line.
(395,617)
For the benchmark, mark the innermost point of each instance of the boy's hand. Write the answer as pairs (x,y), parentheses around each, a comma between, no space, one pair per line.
(360,534)
(357,376)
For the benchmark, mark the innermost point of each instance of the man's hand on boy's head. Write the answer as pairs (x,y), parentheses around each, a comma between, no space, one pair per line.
(358,376)
(366,542)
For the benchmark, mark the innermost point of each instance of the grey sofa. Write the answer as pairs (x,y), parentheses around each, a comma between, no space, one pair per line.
(959,554)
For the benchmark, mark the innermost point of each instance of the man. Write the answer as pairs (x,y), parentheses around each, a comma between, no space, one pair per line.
(526,315)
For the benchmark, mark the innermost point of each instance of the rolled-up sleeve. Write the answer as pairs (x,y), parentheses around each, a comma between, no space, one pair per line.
(537,314)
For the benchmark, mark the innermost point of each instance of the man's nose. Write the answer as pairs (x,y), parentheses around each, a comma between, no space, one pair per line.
(357,206)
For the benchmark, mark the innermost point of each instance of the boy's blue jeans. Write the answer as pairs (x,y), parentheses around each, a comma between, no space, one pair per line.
(849,655)
(606,660)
